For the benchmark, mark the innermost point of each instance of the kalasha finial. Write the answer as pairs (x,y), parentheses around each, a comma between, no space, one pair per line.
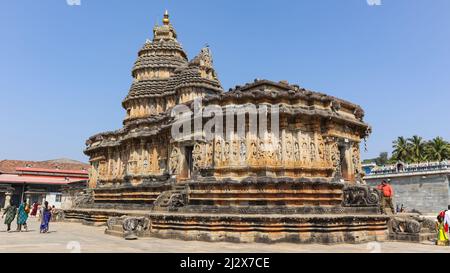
(166,20)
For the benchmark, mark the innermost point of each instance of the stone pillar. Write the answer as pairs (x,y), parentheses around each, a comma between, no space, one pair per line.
(28,198)
(8,195)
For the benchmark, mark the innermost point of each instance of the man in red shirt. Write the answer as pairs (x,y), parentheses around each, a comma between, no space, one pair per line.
(387,194)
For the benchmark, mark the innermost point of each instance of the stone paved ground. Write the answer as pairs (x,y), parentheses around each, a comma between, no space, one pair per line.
(68,237)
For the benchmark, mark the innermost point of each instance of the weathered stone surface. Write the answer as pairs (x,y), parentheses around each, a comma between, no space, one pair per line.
(411,227)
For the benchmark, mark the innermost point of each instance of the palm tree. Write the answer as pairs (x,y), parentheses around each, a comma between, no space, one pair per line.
(417,147)
(401,150)
(438,149)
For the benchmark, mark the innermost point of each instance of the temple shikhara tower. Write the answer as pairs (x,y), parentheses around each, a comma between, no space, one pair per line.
(298,181)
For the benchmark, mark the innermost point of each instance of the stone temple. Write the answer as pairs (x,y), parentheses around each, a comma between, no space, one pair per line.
(303,184)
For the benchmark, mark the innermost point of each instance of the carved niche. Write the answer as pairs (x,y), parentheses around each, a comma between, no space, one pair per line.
(336,158)
(175,160)
(243,150)
(218,152)
(209,155)
(198,156)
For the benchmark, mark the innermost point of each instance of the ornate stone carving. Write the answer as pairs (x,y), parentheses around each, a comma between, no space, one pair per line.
(359,113)
(356,159)
(297,152)
(198,156)
(313,154)
(177,200)
(335,106)
(412,224)
(305,151)
(289,147)
(279,152)
(175,160)
(133,227)
(235,150)
(402,225)
(83,199)
(336,158)
(243,150)
(218,151)
(361,196)
(254,149)
(226,151)
(209,155)
(322,151)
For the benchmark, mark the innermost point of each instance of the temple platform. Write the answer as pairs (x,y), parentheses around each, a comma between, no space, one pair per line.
(321,229)
(98,217)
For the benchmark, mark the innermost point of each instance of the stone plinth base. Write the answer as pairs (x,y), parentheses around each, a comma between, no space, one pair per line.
(97,217)
(320,229)
(410,237)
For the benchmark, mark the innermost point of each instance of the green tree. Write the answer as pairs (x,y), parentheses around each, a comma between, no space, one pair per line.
(418,149)
(438,149)
(383,159)
(401,150)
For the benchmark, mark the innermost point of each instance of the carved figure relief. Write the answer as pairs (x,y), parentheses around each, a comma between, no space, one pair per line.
(218,152)
(197,155)
(297,155)
(279,153)
(175,160)
(305,152)
(209,155)
(243,150)
(289,148)
(313,154)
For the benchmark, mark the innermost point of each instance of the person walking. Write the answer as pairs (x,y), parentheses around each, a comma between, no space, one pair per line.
(447,220)
(387,194)
(442,229)
(34,209)
(46,215)
(10,213)
(22,216)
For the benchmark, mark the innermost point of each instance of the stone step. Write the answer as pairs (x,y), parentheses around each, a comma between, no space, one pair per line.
(416,238)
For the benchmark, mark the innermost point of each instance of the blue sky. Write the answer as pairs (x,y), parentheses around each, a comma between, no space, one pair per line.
(64,70)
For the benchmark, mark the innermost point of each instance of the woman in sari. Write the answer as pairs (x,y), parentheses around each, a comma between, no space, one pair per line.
(46,216)
(22,216)
(35,209)
(10,213)
(442,229)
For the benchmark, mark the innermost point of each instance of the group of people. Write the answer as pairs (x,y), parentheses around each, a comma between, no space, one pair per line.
(443,218)
(24,211)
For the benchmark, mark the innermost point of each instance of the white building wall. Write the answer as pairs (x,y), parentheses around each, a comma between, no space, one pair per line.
(51,199)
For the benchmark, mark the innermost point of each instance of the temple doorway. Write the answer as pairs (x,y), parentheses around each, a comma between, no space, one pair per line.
(188,163)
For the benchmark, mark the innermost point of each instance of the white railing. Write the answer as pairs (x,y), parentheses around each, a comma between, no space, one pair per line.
(411,168)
